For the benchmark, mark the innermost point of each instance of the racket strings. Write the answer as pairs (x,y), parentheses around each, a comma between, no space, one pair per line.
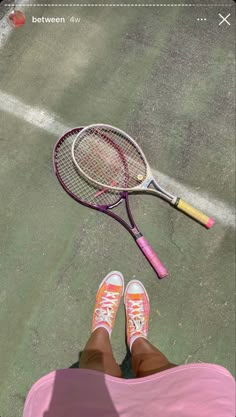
(73,181)
(108,157)
(90,154)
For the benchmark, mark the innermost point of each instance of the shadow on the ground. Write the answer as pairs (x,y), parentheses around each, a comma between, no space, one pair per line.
(125,366)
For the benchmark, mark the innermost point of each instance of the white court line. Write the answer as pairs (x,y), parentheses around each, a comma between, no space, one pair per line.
(5,28)
(50,123)
(33,115)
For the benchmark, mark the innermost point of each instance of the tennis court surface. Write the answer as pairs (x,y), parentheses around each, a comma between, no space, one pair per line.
(168,80)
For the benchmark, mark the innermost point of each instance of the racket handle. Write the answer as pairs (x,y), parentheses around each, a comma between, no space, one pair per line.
(152,257)
(194,213)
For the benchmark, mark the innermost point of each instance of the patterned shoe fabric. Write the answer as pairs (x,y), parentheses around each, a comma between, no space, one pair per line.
(107,302)
(137,311)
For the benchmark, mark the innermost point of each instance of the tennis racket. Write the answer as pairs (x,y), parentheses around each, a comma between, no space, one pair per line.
(110,159)
(105,201)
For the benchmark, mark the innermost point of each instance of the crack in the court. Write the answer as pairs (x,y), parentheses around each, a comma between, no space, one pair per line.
(35,338)
(75,247)
(202,345)
(172,232)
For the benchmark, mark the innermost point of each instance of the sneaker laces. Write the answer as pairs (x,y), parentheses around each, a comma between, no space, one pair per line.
(105,311)
(136,316)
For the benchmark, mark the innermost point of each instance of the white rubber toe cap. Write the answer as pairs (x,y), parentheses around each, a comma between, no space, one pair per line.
(115,278)
(135,287)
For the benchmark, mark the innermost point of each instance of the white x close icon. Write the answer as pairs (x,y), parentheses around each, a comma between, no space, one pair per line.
(224,19)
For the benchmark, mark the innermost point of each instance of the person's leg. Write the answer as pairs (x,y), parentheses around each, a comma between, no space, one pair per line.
(97,354)
(146,359)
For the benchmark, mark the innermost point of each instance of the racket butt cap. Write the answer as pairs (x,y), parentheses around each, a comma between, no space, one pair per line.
(210,223)
(163,274)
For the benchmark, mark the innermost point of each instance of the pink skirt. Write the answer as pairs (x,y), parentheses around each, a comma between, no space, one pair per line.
(193,390)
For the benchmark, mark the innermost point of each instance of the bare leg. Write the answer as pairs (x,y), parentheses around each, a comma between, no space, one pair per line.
(147,360)
(98,355)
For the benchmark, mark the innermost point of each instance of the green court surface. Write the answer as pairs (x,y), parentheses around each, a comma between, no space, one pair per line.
(168,80)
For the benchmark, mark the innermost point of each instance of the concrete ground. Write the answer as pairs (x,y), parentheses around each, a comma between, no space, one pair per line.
(166,78)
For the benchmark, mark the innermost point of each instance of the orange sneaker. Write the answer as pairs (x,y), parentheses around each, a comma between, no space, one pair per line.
(137,311)
(107,302)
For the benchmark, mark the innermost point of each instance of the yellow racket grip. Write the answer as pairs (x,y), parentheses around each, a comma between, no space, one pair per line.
(194,213)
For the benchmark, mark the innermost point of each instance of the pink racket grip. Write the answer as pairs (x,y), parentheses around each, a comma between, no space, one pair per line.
(152,257)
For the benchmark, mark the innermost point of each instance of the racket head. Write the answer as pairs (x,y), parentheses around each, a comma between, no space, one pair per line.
(73,183)
(109,158)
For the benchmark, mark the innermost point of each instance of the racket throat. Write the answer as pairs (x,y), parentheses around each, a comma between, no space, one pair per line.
(175,201)
(136,233)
